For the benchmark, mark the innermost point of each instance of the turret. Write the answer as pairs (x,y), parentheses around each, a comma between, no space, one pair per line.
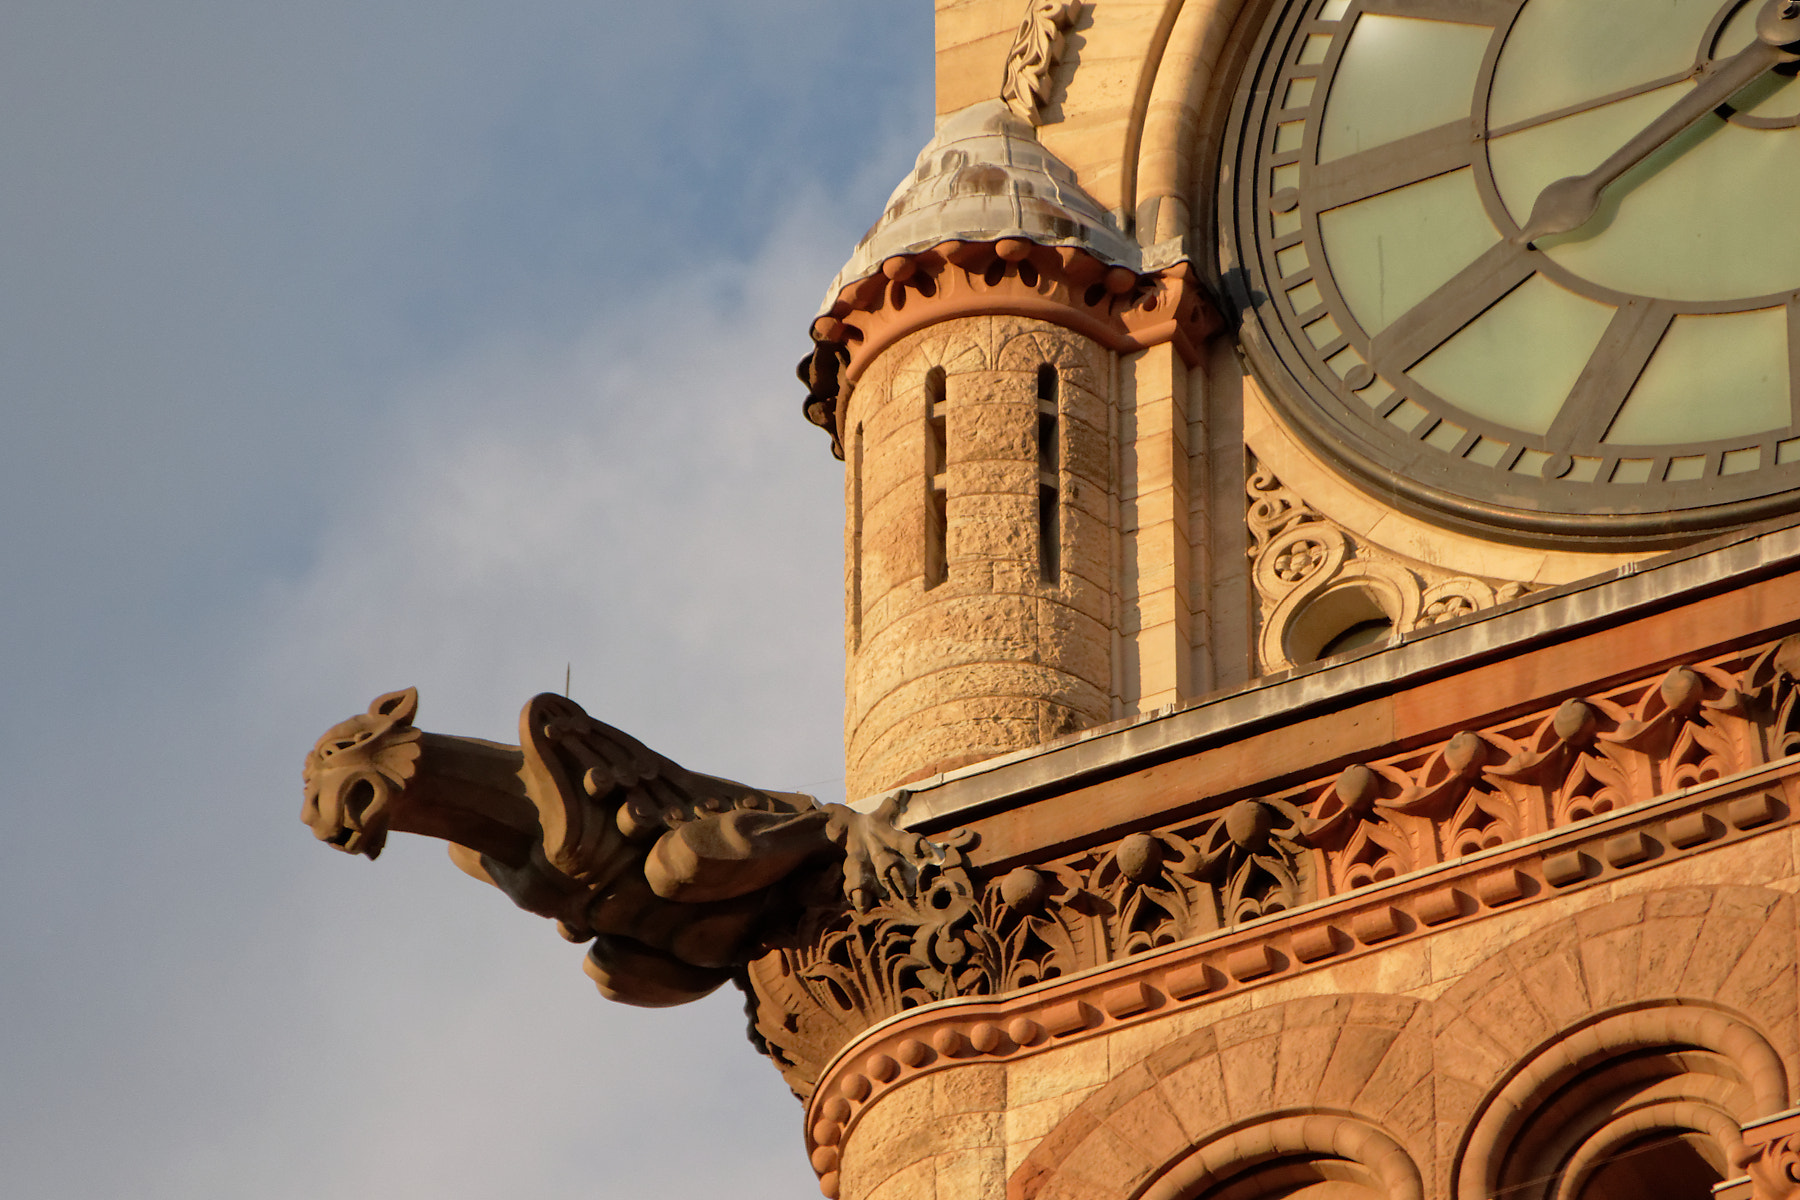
(973,341)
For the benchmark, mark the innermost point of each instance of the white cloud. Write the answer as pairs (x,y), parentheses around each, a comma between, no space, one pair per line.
(644,504)
(647,504)
(227,526)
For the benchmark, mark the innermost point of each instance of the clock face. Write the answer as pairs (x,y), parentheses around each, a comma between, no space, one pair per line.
(1619,366)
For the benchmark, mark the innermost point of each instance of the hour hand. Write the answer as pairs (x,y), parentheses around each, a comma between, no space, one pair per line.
(1571,202)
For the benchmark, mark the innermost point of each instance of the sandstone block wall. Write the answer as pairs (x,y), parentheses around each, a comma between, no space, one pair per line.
(978,653)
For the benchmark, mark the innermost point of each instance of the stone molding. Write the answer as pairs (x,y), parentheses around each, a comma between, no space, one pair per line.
(1034,54)
(1559,795)
(1115,306)
(1544,1041)
(1152,986)
(1770,1159)
(1302,560)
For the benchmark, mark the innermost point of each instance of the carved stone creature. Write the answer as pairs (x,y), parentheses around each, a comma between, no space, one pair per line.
(676,877)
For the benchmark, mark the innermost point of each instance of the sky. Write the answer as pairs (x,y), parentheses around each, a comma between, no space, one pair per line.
(349,346)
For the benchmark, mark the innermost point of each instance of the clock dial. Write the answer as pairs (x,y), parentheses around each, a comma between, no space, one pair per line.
(1406,304)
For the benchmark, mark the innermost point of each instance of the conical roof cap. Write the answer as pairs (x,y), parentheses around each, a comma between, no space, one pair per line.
(983,177)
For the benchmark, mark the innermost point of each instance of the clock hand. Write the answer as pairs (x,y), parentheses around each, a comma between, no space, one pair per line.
(1570,202)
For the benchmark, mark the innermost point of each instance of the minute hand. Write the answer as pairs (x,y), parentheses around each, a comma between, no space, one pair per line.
(1569,203)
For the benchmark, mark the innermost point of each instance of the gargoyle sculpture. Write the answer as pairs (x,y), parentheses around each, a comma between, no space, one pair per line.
(676,878)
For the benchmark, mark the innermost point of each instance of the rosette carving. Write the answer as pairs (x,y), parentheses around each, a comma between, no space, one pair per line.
(1314,578)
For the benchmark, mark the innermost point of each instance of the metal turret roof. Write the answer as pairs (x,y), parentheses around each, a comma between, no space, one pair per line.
(985,176)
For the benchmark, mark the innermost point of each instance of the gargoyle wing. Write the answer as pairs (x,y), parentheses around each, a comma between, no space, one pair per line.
(602,796)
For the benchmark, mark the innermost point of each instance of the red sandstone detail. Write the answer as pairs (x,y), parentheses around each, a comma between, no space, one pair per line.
(1115,306)
(1771,1158)
(1464,1089)
(1190,973)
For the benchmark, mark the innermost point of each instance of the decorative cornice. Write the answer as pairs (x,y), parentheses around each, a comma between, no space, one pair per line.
(1155,985)
(1626,778)
(1034,54)
(1115,306)
(1770,1159)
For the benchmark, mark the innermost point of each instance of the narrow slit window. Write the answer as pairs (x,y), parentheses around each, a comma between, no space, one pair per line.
(937,460)
(856,538)
(1049,478)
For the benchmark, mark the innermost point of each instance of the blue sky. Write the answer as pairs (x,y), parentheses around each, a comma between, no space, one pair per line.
(347,346)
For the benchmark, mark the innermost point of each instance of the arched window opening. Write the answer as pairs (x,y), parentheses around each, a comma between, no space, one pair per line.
(937,462)
(1296,1178)
(1336,622)
(1644,1102)
(1315,1157)
(1355,637)
(1670,1164)
(1049,477)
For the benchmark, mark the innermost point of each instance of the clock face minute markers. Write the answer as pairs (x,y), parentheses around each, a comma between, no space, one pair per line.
(1529,374)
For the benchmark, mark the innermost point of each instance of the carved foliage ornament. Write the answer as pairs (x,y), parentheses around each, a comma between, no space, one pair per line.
(1313,579)
(1034,55)
(1590,756)
(1774,1168)
(962,935)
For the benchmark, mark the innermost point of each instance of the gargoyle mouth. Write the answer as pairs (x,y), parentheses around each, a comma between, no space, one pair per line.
(359,826)
(358,841)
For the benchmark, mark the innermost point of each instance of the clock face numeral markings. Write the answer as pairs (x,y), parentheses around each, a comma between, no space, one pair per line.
(1617,362)
(1468,294)
(1385,168)
(1522,363)
(1468,12)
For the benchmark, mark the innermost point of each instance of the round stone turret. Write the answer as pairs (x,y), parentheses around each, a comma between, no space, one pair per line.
(979,493)
(978,432)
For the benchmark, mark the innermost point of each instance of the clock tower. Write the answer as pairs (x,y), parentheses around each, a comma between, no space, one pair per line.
(1323,497)
(1322,494)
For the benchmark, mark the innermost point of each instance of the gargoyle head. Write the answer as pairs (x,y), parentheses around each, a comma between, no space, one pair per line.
(356,772)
